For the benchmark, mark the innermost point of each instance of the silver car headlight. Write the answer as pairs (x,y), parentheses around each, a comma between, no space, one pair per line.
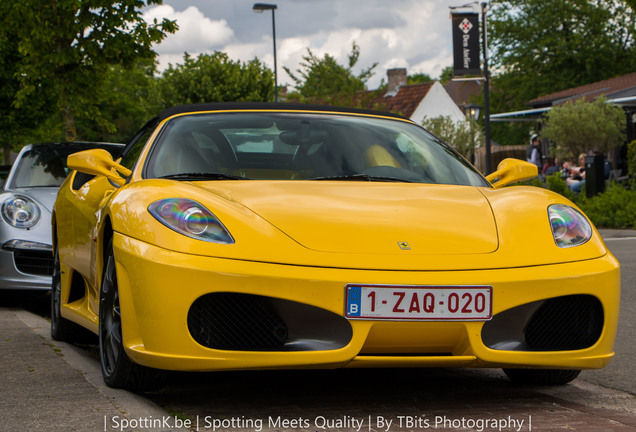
(191,219)
(569,227)
(20,211)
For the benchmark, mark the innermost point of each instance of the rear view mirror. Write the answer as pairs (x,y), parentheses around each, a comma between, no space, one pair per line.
(98,162)
(512,171)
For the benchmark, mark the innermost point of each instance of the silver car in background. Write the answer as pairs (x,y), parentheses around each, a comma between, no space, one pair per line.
(26,201)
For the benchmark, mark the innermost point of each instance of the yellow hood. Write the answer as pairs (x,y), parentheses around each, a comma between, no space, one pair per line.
(371,218)
(360,225)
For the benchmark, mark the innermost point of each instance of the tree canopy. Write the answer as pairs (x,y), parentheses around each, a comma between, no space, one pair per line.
(446,75)
(579,127)
(547,46)
(89,64)
(215,78)
(324,77)
(463,137)
(130,99)
(418,78)
(70,45)
(539,47)
(18,122)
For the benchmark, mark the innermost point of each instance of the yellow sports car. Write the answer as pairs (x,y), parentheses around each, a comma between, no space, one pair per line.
(261,236)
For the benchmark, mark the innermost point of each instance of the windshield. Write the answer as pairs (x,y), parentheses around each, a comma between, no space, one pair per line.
(301,146)
(45,165)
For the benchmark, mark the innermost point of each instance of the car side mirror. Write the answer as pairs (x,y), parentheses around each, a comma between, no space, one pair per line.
(512,171)
(98,162)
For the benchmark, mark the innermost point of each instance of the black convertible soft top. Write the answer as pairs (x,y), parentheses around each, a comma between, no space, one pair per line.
(222,106)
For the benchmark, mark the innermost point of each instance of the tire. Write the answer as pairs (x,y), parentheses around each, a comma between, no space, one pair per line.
(61,328)
(542,376)
(118,370)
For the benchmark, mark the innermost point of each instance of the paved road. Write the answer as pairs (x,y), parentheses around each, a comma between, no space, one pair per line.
(50,386)
(621,374)
(47,386)
(276,399)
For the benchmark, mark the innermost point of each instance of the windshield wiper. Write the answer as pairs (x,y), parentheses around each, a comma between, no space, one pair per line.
(362,177)
(203,176)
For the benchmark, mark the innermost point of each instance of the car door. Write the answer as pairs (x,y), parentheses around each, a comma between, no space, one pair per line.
(86,200)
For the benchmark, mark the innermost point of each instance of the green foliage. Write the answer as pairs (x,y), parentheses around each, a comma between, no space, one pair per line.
(464,136)
(578,127)
(324,77)
(418,78)
(18,122)
(557,184)
(615,208)
(215,78)
(547,46)
(539,47)
(504,97)
(517,133)
(534,182)
(631,163)
(446,75)
(70,45)
(130,100)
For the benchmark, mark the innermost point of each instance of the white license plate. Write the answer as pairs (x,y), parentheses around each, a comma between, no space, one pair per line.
(395,302)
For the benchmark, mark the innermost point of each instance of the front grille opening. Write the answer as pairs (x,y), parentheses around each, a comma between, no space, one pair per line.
(236,322)
(558,324)
(565,323)
(247,322)
(34,262)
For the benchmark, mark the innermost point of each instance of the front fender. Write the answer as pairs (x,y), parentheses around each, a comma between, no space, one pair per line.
(524,227)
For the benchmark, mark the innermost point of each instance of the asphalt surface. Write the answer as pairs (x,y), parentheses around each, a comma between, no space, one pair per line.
(620,373)
(52,386)
(49,386)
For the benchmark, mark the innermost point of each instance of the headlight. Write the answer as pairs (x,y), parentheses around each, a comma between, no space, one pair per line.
(569,226)
(191,219)
(20,211)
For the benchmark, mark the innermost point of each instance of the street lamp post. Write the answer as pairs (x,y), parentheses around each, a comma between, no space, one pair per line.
(484,8)
(259,8)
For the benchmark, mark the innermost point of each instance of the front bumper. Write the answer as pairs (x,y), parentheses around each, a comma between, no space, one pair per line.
(159,287)
(25,268)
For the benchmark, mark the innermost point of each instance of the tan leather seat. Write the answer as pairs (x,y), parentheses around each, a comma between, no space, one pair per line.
(377,155)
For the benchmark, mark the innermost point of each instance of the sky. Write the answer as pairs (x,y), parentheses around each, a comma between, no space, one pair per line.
(411,34)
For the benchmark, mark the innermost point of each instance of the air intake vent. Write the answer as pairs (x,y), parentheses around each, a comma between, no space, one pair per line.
(565,323)
(34,262)
(232,321)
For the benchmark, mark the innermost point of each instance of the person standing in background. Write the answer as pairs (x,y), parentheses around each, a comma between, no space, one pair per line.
(533,152)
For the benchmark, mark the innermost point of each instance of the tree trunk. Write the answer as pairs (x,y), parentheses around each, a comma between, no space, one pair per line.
(68,116)
(70,133)
(6,152)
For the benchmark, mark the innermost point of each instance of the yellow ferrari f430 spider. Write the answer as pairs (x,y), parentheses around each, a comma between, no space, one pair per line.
(263,236)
